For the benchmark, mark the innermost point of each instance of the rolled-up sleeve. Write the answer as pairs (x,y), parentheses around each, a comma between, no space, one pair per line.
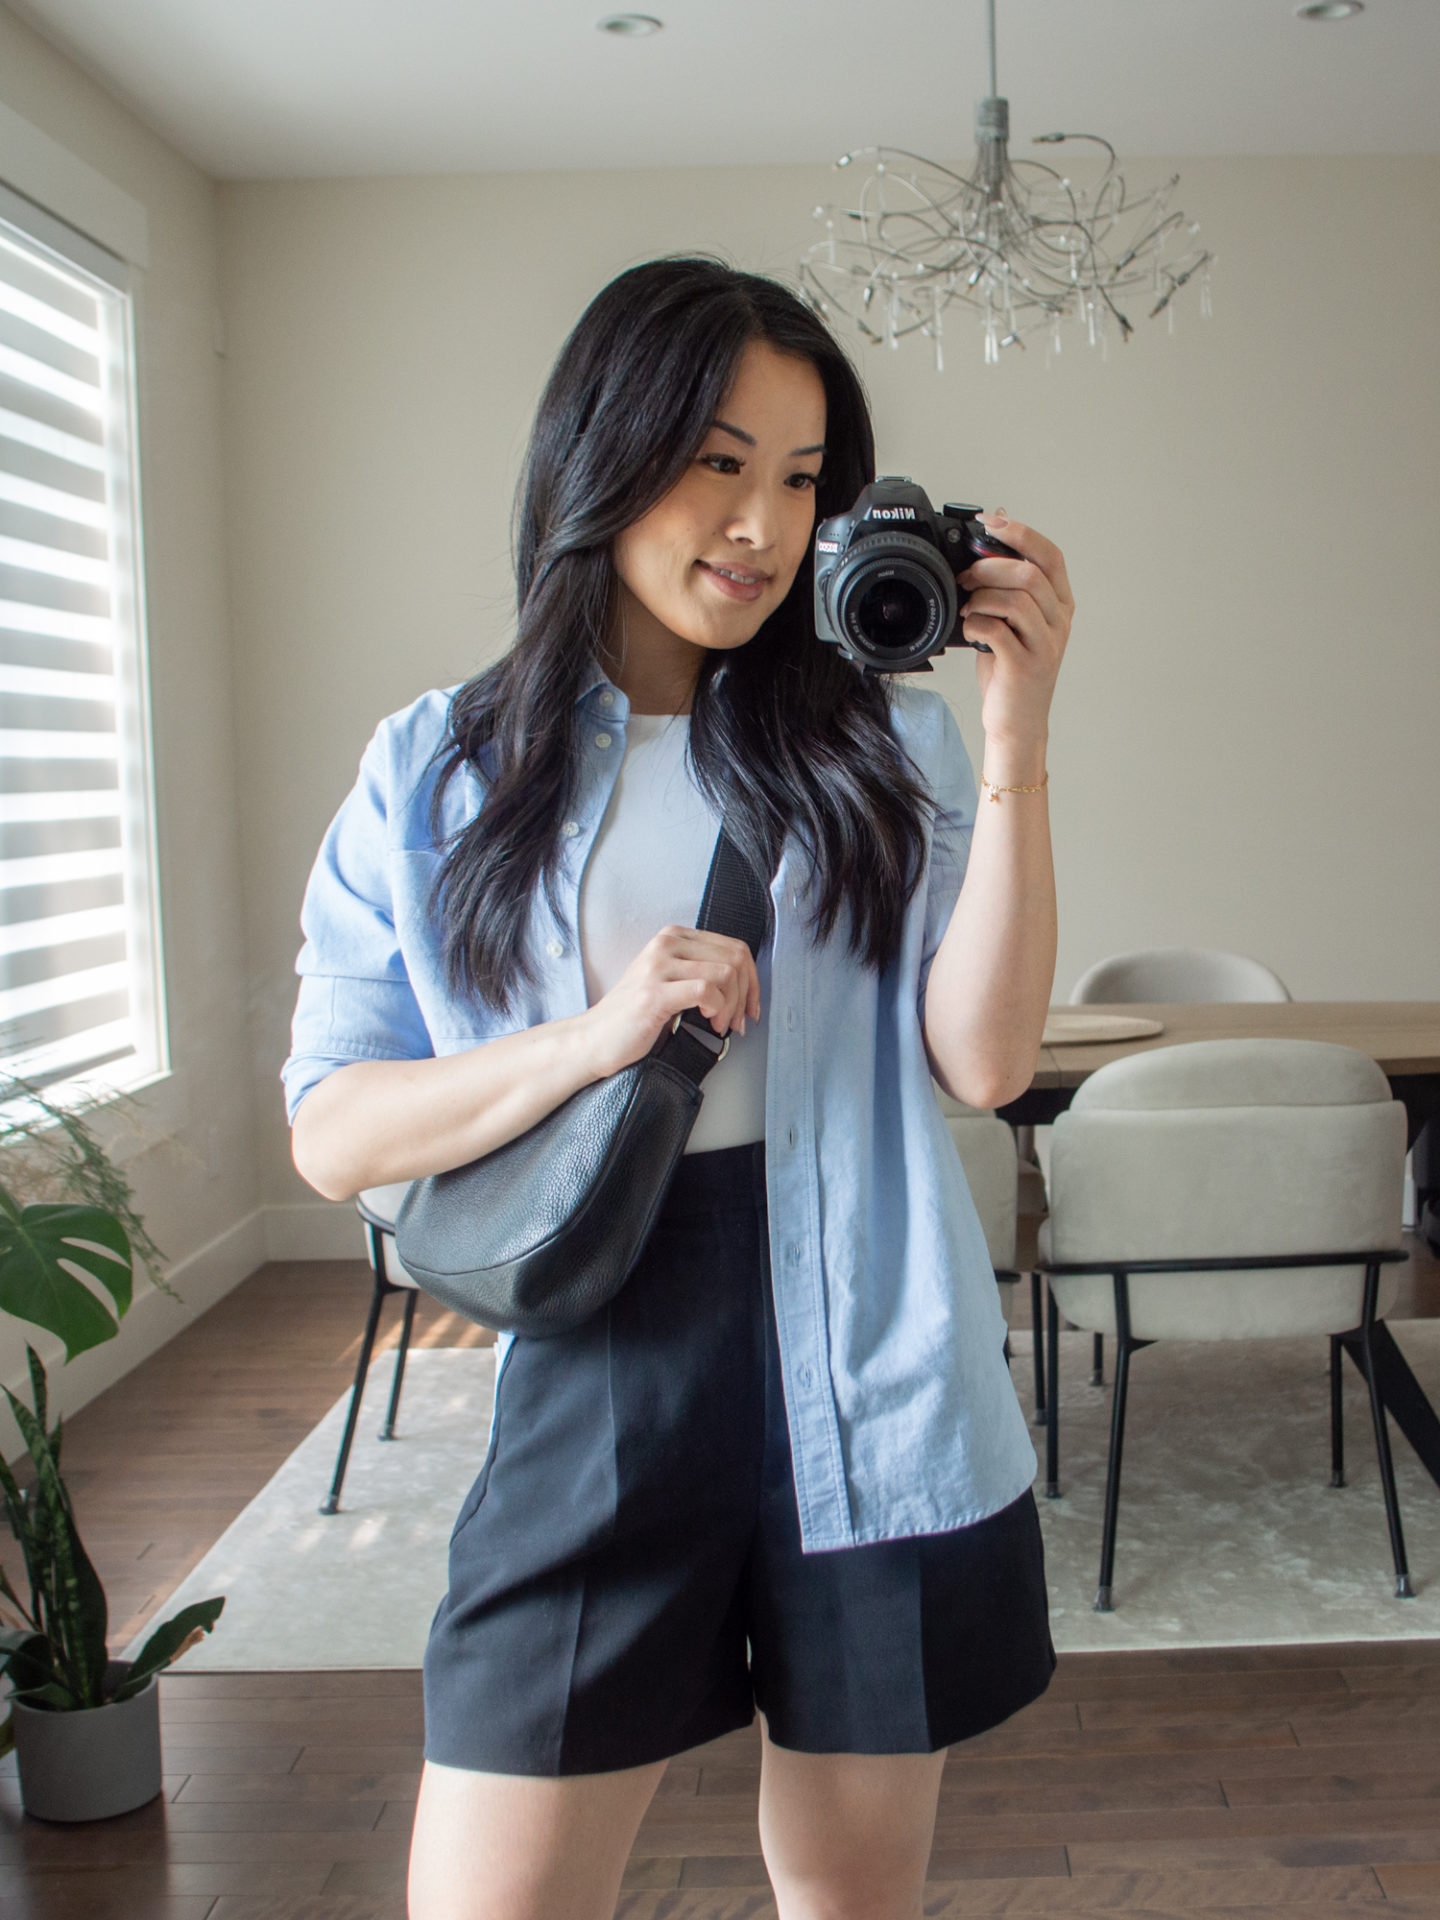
(356,1001)
(952,782)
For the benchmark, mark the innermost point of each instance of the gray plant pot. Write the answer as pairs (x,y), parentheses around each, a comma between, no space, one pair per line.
(93,1764)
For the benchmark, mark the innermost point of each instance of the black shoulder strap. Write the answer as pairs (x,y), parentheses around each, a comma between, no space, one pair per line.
(734,903)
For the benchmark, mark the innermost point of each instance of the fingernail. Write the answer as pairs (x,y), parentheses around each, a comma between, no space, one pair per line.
(742,1026)
(997,514)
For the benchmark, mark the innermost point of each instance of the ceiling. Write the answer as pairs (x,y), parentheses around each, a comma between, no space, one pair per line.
(311,88)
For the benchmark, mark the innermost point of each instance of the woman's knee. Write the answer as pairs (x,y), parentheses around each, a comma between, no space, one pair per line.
(847,1836)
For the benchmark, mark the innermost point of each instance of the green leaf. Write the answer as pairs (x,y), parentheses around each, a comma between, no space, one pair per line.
(167,1643)
(39,1385)
(78,1620)
(58,1698)
(28,1661)
(38,1246)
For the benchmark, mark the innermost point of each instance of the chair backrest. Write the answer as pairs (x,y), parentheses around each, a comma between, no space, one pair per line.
(378,1207)
(986,1147)
(1173,975)
(1223,1148)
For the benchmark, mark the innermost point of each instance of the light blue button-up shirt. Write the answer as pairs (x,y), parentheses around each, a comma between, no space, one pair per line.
(902,1416)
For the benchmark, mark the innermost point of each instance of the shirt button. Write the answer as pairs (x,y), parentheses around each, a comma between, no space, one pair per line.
(792,1253)
(602,739)
(804,1375)
(795,900)
(792,1136)
(570,829)
(607,698)
(790,1016)
(555,949)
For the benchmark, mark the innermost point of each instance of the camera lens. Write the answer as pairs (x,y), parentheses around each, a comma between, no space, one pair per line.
(894,614)
(892,598)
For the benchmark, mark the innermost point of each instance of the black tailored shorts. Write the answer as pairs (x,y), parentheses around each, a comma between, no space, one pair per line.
(626,1579)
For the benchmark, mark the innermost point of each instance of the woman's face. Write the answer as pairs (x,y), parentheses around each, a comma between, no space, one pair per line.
(713,560)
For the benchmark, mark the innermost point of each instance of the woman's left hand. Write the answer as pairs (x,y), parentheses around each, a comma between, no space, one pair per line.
(1021,609)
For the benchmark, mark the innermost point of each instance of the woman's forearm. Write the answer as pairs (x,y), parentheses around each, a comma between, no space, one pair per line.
(990,982)
(379,1121)
(385,1120)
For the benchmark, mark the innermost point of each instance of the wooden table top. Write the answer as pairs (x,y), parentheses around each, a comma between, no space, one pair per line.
(1403,1036)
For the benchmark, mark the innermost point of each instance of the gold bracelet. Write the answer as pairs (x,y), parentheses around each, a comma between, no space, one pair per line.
(995,792)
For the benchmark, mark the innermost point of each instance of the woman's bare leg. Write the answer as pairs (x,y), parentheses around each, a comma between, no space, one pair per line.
(846,1836)
(498,1846)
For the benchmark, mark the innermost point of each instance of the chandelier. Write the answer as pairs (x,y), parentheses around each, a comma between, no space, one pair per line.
(1015,241)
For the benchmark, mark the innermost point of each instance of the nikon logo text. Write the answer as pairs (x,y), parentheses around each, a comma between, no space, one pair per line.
(891,513)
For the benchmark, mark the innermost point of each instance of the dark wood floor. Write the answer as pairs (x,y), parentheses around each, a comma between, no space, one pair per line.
(1294,1781)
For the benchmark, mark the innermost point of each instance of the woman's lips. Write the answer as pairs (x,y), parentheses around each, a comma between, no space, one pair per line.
(739,584)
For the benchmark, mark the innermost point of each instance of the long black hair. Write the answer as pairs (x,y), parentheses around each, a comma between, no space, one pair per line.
(784,733)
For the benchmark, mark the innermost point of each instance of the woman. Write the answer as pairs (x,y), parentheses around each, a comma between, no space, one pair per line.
(785,1467)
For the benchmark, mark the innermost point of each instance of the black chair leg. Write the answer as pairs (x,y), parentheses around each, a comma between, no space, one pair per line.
(362,1367)
(387,1432)
(1337,1415)
(1097,1361)
(1052,1397)
(1123,1349)
(1403,1589)
(1039,1341)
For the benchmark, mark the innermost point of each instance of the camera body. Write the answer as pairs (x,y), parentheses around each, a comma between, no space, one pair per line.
(885,590)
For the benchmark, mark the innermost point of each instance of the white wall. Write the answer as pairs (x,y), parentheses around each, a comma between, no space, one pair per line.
(1243,746)
(189,1146)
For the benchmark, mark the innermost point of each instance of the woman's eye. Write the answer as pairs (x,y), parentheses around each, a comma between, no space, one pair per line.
(800,481)
(720,462)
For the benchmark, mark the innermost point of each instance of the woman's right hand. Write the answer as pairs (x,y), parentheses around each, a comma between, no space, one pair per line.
(680,968)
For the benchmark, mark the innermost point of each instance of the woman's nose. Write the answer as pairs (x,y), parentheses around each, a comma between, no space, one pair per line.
(754,521)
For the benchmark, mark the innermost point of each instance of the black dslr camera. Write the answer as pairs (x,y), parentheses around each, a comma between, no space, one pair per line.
(885,590)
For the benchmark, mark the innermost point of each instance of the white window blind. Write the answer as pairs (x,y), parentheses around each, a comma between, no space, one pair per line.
(80,977)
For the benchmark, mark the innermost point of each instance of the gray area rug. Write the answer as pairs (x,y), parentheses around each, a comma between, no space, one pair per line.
(1230,1533)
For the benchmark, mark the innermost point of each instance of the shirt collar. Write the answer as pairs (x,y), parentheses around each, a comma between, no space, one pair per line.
(593,683)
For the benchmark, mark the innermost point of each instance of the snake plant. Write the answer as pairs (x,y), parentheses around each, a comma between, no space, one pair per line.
(56,1657)
(67,1266)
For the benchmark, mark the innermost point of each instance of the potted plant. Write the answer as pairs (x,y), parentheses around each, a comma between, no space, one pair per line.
(86,1728)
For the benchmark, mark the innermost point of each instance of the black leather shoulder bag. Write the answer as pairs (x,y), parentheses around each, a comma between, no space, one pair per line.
(536,1236)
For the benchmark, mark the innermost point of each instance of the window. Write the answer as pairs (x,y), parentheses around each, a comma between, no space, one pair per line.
(81,1002)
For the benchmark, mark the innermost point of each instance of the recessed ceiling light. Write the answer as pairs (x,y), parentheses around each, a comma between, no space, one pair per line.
(629,26)
(1329,9)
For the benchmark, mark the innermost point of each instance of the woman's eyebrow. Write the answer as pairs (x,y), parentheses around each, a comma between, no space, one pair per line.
(739,433)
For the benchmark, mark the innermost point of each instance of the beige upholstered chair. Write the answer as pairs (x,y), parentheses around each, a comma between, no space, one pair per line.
(1227,1190)
(377,1207)
(1172,975)
(1169,976)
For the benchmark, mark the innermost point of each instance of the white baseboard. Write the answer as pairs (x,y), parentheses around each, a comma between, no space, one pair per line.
(201,1279)
(314,1230)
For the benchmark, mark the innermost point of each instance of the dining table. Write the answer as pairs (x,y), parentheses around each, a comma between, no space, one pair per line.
(1401,1036)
